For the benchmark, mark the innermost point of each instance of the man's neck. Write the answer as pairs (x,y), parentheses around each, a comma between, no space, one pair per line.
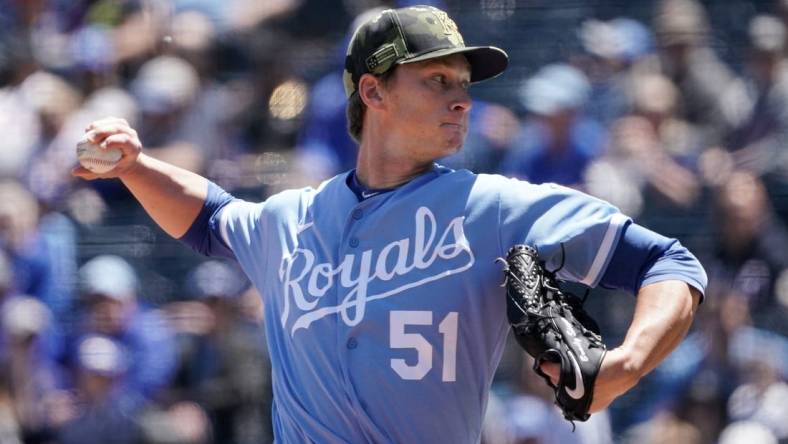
(386,158)
(379,171)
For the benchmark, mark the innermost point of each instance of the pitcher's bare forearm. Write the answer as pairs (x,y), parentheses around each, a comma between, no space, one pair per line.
(172,196)
(663,314)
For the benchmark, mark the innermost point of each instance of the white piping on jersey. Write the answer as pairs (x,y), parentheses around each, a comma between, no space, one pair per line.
(616,222)
(223,223)
(306,282)
(300,228)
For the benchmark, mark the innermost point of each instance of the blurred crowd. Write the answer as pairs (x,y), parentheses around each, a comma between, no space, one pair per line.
(676,111)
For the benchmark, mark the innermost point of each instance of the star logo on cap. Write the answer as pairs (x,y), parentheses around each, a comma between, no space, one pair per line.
(449,28)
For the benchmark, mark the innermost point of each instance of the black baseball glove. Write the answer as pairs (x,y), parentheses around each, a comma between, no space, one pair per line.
(552,326)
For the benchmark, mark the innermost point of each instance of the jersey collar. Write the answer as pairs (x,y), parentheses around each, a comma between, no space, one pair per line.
(362,192)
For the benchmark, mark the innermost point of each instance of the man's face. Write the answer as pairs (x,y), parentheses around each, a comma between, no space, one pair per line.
(427,106)
(109,316)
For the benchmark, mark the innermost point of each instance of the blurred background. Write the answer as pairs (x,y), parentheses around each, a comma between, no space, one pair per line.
(111,332)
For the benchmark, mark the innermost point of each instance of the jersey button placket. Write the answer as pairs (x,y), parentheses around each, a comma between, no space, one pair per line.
(347,338)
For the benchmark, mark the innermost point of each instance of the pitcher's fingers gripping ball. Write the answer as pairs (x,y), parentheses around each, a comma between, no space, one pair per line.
(553,327)
(96,159)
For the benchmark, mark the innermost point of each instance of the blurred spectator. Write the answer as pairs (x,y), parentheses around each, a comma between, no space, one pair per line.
(557,141)
(31,379)
(106,412)
(245,14)
(31,115)
(749,252)
(109,289)
(747,431)
(757,142)
(664,429)
(21,127)
(224,364)
(763,397)
(611,48)
(654,151)
(53,98)
(21,239)
(181,423)
(710,96)
(175,125)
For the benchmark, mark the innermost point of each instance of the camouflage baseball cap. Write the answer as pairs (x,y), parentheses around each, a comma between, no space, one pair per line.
(414,34)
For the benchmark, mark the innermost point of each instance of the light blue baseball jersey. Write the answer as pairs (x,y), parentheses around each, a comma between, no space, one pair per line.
(385,318)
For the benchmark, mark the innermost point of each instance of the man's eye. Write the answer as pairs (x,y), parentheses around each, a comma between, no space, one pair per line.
(439,78)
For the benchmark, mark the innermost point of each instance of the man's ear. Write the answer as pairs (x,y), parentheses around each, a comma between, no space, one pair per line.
(370,89)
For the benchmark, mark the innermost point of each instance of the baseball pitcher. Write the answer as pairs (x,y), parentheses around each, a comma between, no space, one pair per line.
(384,312)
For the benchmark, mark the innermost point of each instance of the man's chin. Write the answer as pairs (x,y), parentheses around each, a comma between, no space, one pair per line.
(454,146)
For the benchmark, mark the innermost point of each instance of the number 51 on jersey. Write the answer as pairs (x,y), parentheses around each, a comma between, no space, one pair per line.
(398,338)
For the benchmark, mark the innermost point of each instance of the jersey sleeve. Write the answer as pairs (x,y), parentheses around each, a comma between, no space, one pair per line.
(200,237)
(574,233)
(226,226)
(241,226)
(644,257)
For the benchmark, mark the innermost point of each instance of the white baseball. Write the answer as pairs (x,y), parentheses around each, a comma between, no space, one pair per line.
(95,159)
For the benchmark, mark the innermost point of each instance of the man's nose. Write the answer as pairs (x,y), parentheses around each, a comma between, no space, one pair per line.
(462,101)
